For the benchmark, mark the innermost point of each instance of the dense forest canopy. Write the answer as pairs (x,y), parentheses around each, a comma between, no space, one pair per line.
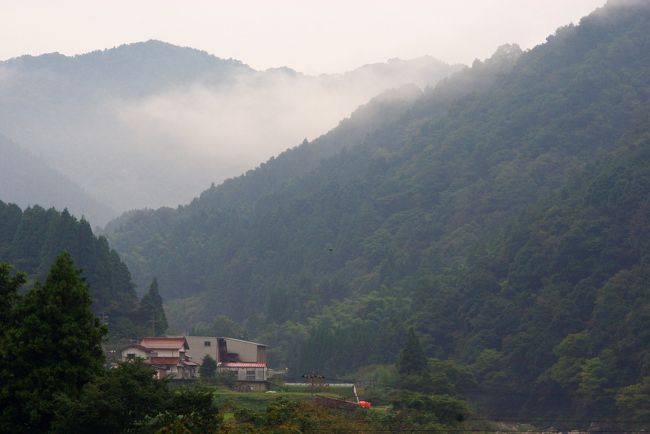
(502,214)
(30,240)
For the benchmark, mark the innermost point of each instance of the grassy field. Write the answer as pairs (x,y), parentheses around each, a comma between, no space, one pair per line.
(258,401)
(331,390)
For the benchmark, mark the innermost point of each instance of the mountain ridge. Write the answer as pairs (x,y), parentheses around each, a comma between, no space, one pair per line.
(149,124)
(500,214)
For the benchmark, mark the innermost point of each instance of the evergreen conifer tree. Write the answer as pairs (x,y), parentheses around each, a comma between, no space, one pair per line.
(413,366)
(412,360)
(9,286)
(55,344)
(151,310)
(8,295)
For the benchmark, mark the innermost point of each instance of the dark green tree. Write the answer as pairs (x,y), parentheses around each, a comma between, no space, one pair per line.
(225,326)
(31,239)
(412,360)
(151,310)
(55,345)
(117,401)
(130,399)
(208,367)
(9,285)
(413,367)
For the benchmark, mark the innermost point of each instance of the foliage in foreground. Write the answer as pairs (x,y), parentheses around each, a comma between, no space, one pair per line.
(52,375)
(50,345)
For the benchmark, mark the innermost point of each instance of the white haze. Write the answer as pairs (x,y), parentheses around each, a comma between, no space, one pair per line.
(220,132)
(133,149)
(247,121)
(311,36)
(131,145)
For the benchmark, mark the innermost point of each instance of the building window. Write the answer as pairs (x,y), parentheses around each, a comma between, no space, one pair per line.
(130,356)
(207,343)
(250,375)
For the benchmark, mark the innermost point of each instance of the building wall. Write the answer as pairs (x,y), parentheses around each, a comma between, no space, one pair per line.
(198,348)
(251,374)
(247,351)
(261,353)
(248,374)
(166,352)
(135,351)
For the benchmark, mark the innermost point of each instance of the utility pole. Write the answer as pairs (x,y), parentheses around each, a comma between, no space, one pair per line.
(313,379)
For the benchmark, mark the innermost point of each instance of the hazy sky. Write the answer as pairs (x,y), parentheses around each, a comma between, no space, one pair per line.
(310,36)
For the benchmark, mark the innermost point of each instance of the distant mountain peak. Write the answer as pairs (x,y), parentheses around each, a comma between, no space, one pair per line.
(136,51)
(284,70)
(155,47)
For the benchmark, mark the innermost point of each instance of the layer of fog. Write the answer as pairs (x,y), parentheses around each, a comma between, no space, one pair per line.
(133,149)
(248,120)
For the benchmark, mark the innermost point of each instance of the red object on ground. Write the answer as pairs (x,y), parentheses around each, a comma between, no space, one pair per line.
(365,404)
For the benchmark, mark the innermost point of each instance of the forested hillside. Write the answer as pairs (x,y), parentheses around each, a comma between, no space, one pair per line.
(30,241)
(504,214)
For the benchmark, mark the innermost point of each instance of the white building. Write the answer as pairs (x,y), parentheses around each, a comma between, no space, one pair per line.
(246,359)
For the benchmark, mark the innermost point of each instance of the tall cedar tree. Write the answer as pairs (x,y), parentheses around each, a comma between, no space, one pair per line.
(151,310)
(412,360)
(55,349)
(9,286)
(8,295)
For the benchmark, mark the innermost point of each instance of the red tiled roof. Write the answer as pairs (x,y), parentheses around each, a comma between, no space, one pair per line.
(242,365)
(165,361)
(164,342)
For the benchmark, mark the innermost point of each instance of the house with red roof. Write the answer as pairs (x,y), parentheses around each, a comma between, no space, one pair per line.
(166,354)
(180,356)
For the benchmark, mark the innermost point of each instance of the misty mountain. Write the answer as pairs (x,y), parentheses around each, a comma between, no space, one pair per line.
(503,214)
(27,180)
(150,124)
